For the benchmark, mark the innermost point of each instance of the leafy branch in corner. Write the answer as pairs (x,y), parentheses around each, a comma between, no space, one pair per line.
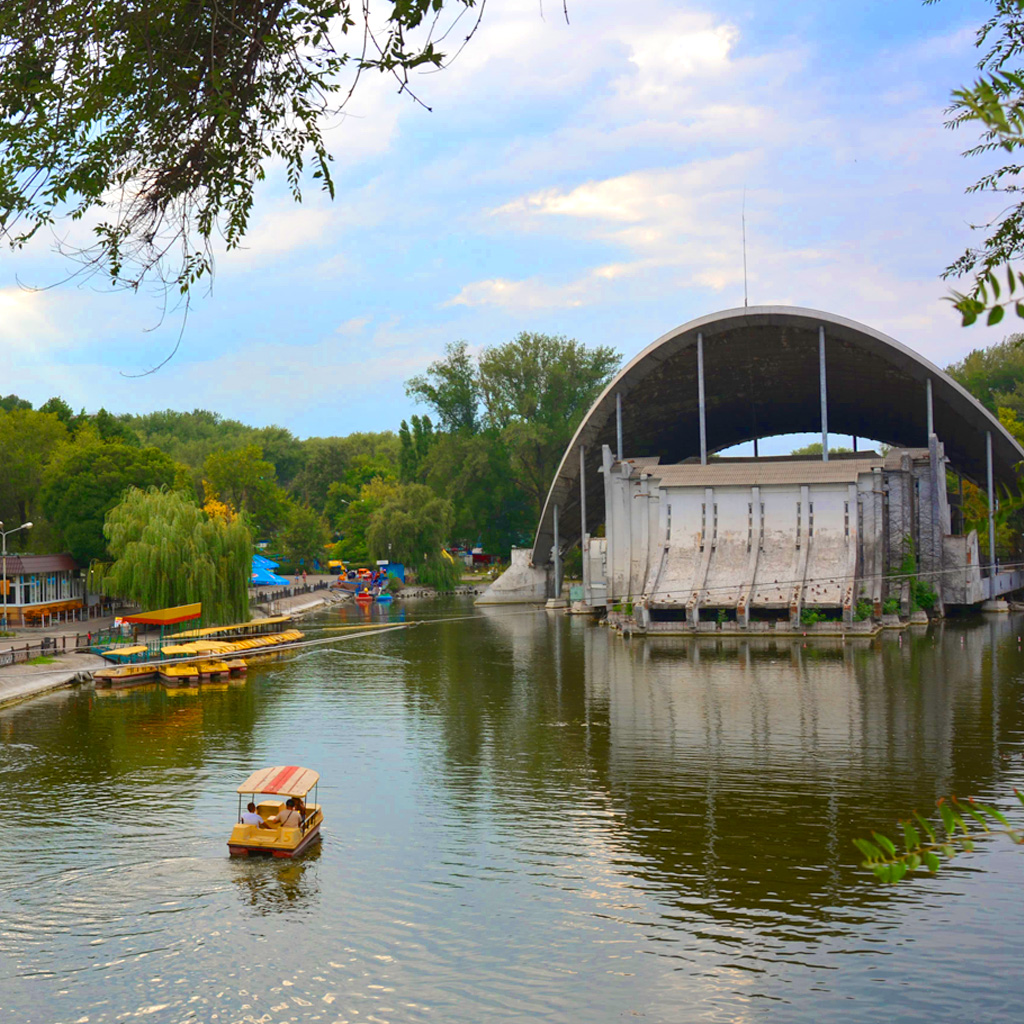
(995,103)
(925,845)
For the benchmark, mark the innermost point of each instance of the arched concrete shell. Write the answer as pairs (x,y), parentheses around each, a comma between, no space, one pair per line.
(761,377)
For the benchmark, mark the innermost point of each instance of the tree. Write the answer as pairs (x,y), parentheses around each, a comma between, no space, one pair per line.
(532,393)
(815,448)
(86,478)
(994,375)
(411,525)
(451,386)
(244,480)
(416,445)
(160,118)
(27,440)
(168,552)
(353,518)
(995,104)
(305,537)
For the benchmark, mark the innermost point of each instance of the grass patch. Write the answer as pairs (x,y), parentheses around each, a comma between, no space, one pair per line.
(41,659)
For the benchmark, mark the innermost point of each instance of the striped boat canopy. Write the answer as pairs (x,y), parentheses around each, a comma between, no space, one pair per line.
(283,780)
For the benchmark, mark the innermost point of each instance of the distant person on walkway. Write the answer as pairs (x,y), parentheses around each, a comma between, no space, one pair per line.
(303,577)
(250,816)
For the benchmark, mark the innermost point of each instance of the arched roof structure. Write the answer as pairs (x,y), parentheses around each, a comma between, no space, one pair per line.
(761,372)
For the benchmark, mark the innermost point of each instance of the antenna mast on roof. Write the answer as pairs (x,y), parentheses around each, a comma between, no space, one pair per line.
(743,222)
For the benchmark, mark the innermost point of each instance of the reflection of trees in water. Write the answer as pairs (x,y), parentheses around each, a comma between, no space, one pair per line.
(128,746)
(270,885)
(737,771)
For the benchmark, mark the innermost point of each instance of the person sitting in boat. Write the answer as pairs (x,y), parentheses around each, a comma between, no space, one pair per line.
(250,816)
(301,808)
(289,817)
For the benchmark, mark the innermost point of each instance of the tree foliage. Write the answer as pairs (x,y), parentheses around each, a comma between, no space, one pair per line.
(84,480)
(159,119)
(305,537)
(168,552)
(27,440)
(925,843)
(994,104)
(245,480)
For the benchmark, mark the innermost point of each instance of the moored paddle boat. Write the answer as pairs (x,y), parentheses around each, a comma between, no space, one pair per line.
(272,837)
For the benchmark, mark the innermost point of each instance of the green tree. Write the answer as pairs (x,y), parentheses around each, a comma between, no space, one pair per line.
(451,386)
(815,448)
(11,402)
(60,409)
(168,552)
(305,537)
(994,104)
(411,525)
(353,518)
(416,444)
(86,478)
(160,118)
(27,441)
(245,480)
(532,393)
(994,375)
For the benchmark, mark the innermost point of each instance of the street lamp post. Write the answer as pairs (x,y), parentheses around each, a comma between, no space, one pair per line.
(3,535)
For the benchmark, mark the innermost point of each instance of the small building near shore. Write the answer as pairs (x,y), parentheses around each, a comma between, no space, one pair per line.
(42,588)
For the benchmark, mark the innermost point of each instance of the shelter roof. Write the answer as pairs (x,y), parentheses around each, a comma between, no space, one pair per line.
(282,780)
(167,616)
(762,378)
(19,565)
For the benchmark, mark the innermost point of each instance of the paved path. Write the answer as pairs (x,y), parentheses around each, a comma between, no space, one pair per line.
(19,682)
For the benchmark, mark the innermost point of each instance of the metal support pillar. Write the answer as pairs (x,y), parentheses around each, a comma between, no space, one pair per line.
(557,557)
(618,425)
(991,509)
(824,394)
(584,552)
(755,447)
(854,438)
(700,400)
(931,411)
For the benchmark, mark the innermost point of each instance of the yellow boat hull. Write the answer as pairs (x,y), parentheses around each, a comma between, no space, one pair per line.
(277,842)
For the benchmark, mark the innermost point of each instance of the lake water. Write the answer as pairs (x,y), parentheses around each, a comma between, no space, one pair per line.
(528,818)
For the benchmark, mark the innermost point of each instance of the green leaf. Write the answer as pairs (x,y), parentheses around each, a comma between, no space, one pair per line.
(882,872)
(870,851)
(911,837)
(885,842)
(931,861)
(967,844)
(948,819)
(926,825)
(995,314)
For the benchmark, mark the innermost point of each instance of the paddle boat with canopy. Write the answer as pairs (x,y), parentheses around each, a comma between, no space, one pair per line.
(273,838)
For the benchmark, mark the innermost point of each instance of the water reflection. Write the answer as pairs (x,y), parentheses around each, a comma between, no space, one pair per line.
(530,818)
(269,885)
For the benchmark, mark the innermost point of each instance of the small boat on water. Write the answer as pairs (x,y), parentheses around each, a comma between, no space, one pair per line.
(125,675)
(183,674)
(277,830)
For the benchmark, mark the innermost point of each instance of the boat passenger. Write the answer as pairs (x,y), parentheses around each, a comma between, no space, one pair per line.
(301,808)
(289,817)
(250,816)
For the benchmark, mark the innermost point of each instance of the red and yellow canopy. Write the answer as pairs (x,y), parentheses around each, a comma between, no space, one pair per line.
(282,780)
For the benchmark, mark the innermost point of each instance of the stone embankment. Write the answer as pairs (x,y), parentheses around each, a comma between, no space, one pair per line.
(20,682)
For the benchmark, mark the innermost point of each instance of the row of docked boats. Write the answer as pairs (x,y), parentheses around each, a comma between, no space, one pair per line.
(192,663)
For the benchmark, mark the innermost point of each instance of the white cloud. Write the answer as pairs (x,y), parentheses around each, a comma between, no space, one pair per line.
(27,323)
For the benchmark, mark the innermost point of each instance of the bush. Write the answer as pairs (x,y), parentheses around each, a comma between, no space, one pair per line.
(891,606)
(440,574)
(862,610)
(809,616)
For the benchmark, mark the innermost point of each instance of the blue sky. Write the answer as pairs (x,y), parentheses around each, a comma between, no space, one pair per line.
(581,179)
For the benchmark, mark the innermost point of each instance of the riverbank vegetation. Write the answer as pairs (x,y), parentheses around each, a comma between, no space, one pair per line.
(472,471)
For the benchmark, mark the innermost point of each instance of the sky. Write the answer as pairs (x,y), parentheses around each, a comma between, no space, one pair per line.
(584,179)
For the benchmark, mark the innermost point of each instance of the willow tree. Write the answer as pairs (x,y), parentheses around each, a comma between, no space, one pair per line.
(167,551)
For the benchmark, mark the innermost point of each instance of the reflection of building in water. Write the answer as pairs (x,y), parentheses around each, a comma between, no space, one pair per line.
(747,766)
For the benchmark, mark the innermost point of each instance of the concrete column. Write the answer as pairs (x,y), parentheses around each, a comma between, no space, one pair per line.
(854,443)
(618,425)
(991,507)
(584,547)
(755,447)
(557,557)
(700,400)
(824,394)
(930,410)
